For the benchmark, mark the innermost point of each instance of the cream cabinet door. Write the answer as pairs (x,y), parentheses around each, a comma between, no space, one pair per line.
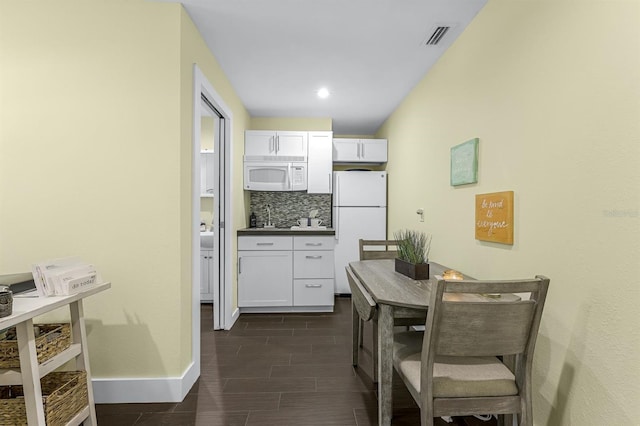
(265,278)
(320,163)
(259,143)
(291,144)
(345,150)
(373,150)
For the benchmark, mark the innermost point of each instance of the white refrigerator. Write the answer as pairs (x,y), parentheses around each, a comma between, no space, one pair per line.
(359,211)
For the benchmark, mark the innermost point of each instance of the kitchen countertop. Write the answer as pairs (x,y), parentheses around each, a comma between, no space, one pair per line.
(286,231)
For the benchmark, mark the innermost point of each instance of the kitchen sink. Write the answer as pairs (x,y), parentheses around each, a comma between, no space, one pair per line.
(206,240)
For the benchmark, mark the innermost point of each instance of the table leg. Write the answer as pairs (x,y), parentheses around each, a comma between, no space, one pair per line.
(355,331)
(30,372)
(82,361)
(385,364)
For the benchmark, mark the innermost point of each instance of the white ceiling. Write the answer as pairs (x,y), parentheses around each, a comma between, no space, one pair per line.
(368,53)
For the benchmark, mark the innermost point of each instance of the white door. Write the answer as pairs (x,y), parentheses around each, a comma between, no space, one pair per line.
(319,163)
(373,150)
(265,278)
(259,142)
(292,144)
(345,150)
(353,224)
(206,269)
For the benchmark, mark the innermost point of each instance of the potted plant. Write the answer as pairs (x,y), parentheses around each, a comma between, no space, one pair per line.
(413,254)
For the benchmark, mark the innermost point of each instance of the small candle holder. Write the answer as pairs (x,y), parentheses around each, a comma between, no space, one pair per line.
(6,301)
(451,274)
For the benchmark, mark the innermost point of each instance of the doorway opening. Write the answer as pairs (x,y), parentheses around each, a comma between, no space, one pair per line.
(211,212)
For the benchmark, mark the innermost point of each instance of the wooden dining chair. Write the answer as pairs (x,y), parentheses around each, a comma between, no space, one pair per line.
(378,249)
(476,354)
(370,250)
(375,249)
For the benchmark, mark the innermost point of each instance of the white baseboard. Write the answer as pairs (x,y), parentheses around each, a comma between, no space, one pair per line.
(144,390)
(234,317)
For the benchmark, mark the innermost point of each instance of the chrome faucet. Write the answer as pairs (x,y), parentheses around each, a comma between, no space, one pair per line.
(268,225)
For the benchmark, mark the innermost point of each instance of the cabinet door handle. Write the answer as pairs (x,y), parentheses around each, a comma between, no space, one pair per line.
(313,285)
(313,244)
(264,244)
(277,144)
(239,265)
(330,183)
(358,149)
(362,149)
(313,257)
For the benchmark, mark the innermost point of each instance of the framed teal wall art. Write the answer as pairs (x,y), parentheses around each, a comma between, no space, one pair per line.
(464,163)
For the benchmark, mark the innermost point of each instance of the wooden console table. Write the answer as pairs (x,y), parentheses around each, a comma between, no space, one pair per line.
(30,372)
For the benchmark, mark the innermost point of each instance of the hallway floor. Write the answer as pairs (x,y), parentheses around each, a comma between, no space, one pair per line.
(280,370)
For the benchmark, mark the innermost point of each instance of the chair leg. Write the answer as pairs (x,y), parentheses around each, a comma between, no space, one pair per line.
(374,351)
(426,417)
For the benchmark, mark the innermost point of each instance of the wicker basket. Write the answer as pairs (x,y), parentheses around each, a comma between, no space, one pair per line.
(64,394)
(53,339)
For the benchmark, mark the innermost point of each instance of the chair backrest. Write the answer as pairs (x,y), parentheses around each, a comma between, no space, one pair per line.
(378,249)
(460,325)
(362,300)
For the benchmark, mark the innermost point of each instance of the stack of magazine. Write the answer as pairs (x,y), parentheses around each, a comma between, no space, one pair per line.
(62,277)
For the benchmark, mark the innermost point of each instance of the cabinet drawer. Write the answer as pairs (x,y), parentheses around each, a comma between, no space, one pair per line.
(318,292)
(265,243)
(313,264)
(313,242)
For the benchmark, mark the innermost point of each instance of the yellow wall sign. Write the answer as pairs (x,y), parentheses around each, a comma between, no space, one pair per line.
(494,217)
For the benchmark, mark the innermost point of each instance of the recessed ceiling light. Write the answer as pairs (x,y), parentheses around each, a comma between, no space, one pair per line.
(323,93)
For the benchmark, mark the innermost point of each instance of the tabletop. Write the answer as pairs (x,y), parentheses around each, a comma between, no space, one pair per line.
(25,308)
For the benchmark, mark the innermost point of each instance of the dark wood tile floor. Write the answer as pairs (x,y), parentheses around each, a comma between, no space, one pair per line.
(278,369)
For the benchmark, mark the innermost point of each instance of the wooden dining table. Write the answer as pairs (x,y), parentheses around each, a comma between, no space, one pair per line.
(398,296)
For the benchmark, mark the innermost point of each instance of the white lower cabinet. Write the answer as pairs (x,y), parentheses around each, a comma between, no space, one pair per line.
(285,273)
(264,278)
(206,275)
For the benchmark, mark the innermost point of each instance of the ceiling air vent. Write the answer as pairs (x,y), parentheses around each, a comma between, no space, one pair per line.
(437,35)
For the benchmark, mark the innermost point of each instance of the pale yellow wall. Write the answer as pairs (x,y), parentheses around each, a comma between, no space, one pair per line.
(551,89)
(290,123)
(95,161)
(89,165)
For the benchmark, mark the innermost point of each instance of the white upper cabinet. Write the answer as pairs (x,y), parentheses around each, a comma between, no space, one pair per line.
(320,164)
(275,143)
(346,150)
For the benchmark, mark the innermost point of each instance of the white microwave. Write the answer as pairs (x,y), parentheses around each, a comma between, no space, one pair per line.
(275,176)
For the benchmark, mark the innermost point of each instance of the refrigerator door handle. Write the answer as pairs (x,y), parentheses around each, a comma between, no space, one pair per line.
(337,224)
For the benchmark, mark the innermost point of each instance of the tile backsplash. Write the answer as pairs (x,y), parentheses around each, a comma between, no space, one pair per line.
(288,207)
